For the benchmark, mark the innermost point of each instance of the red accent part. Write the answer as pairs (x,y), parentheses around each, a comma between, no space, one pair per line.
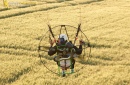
(55,40)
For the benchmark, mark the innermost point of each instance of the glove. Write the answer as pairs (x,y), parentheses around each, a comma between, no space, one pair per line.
(52,49)
(73,50)
(81,42)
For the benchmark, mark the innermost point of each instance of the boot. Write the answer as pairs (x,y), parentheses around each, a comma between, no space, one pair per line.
(63,73)
(72,70)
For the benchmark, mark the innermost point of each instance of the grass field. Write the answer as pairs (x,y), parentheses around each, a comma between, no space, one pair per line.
(105,22)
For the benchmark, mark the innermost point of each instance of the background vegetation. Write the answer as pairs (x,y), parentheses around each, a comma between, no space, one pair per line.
(105,22)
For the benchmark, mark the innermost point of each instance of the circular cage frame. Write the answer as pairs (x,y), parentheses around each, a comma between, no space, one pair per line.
(89,54)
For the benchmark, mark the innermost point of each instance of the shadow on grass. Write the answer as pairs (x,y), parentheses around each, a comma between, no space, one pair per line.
(14,50)
(43,9)
(49,1)
(91,62)
(87,2)
(94,62)
(59,1)
(94,45)
(15,76)
(27,12)
(18,47)
(108,58)
(97,60)
(39,38)
(4,9)
(26,6)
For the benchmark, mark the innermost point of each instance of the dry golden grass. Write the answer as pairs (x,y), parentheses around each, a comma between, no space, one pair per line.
(105,22)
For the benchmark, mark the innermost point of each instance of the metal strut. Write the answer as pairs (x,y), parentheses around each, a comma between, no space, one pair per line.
(52,33)
(79,29)
(65,30)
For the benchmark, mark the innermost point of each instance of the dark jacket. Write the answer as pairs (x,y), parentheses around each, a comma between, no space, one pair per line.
(67,46)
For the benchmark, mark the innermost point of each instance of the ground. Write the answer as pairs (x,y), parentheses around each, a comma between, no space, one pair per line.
(105,22)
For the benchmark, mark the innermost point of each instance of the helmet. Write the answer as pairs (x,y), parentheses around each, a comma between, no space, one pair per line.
(63,38)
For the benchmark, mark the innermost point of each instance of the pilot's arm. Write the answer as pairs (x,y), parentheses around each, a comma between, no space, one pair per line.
(78,50)
(52,51)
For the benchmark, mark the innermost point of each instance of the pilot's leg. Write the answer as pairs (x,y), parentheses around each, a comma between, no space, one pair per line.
(56,58)
(72,65)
